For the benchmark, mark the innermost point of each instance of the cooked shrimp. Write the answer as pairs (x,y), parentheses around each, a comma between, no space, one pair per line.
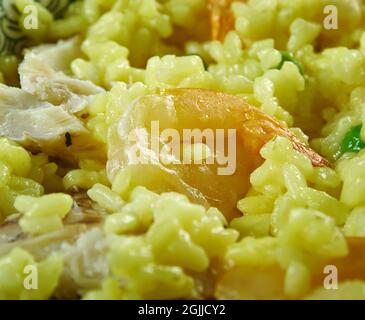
(197,109)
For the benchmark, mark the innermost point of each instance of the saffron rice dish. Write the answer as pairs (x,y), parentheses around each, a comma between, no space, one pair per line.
(268,204)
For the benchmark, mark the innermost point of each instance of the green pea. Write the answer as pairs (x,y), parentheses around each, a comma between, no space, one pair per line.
(352,141)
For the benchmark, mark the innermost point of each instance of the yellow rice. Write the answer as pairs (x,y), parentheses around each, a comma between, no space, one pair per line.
(294,214)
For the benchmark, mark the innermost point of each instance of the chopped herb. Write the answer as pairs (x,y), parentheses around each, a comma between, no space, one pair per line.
(352,141)
(68,139)
(288,56)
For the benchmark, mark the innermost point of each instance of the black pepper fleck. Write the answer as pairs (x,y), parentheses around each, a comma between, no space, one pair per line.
(68,139)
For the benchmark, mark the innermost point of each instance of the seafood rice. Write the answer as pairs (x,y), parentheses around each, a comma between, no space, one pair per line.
(287,78)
